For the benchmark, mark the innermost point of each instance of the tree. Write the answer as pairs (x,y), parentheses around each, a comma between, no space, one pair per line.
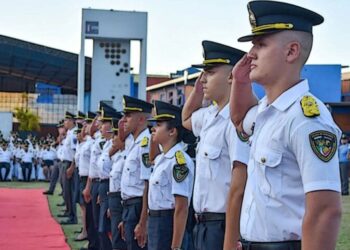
(28,121)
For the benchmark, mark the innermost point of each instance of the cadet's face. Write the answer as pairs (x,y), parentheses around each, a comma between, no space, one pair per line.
(216,82)
(160,132)
(87,128)
(267,55)
(105,128)
(130,122)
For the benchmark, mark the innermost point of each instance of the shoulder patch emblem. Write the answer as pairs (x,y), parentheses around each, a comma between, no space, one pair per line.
(144,142)
(102,143)
(242,136)
(323,144)
(180,172)
(145,160)
(180,158)
(309,106)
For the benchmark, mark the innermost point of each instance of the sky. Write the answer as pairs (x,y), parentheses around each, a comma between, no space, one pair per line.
(176,28)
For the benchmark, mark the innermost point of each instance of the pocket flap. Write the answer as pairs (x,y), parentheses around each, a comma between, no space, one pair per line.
(268,158)
(211,152)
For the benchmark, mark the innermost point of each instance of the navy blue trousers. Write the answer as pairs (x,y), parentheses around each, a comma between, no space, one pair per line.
(104,223)
(160,232)
(131,216)
(209,235)
(116,210)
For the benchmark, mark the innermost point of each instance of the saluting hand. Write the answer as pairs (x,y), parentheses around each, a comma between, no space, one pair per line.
(198,85)
(240,72)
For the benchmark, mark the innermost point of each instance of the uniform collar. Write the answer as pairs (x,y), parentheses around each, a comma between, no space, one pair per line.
(224,113)
(288,97)
(171,153)
(144,133)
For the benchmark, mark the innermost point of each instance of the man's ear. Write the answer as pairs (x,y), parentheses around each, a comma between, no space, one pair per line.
(293,52)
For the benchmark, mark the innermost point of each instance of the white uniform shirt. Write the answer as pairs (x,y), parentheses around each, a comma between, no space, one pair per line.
(27,157)
(48,154)
(118,162)
(69,145)
(5,155)
(218,148)
(96,150)
(84,157)
(104,162)
(59,152)
(77,155)
(162,184)
(283,167)
(136,170)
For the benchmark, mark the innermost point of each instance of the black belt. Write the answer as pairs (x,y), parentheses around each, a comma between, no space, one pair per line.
(203,217)
(95,179)
(114,194)
(280,245)
(104,180)
(65,161)
(161,213)
(132,201)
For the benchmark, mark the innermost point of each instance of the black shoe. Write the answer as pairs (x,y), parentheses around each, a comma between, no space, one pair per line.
(68,222)
(48,192)
(63,215)
(61,204)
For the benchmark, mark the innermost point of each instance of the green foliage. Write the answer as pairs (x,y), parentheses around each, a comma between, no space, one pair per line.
(28,121)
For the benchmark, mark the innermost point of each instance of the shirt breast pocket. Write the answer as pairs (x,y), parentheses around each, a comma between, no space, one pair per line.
(162,187)
(270,171)
(211,156)
(133,173)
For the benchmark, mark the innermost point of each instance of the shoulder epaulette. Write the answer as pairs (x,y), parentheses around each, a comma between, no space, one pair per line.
(309,106)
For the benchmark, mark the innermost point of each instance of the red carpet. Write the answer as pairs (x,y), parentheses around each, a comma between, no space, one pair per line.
(26,222)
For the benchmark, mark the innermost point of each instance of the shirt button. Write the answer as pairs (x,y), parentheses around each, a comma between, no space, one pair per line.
(206,154)
(157,182)
(127,169)
(263,159)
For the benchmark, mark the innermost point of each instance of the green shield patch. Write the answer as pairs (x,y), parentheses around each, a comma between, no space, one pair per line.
(180,172)
(324,144)
(243,137)
(145,160)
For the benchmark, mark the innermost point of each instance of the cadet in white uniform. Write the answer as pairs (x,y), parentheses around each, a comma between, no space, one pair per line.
(57,168)
(221,155)
(104,165)
(171,182)
(5,160)
(118,153)
(293,186)
(136,172)
(84,166)
(68,152)
(27,158)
